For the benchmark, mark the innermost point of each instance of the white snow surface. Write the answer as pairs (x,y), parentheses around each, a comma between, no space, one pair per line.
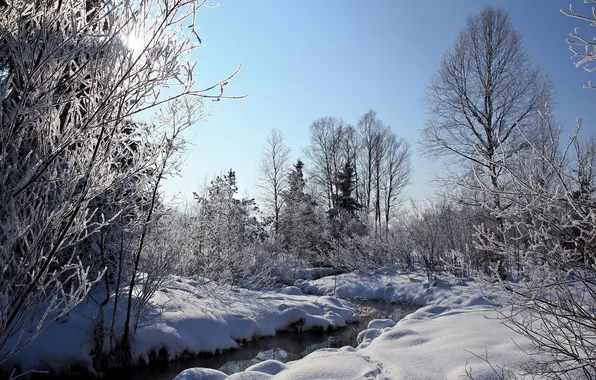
(195,317)
(311,273)
(456,330)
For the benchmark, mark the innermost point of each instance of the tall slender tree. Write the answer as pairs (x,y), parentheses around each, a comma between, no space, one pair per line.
(299,230)
(397,175)
(369,128)
(325,155)
(273,169)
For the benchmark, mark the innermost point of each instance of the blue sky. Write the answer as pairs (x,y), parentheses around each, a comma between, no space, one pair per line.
(306,59)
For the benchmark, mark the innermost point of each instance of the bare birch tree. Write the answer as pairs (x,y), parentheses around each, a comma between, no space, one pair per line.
(325,155)
(369,127)
(486,93)
(485,87)
(397,175)
(273,170)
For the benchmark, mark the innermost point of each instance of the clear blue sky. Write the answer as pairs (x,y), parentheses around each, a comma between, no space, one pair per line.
(307,59)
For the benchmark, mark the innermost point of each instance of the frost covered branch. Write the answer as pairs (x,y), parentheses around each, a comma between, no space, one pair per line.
(583,49)
(76,79)
(550,227)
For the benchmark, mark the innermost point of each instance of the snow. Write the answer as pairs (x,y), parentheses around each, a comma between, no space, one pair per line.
(322,364)
(291,290)
(270,367)
(380,323)
(440,347)
(453,333)
(195,317)
(311,273)
(391,286)
(202,374)
(456,333)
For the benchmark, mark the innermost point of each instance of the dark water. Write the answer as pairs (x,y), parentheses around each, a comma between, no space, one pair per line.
(285,346)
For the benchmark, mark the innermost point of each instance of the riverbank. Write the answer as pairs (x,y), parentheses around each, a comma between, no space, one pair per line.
(284,346)
(458,334)
(187,318)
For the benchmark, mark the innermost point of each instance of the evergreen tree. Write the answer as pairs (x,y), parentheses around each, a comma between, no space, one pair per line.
(299,229)
(343,217)
(226,225)
(296,180)
(346,183)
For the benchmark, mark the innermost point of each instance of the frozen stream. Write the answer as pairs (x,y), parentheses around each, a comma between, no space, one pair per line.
(284,346)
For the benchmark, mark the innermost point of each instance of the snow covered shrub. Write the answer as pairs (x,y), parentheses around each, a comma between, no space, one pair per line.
(74,78)
(440,236)
(426,238)
(262,266)
(550,227)
(549,230)
(227,234)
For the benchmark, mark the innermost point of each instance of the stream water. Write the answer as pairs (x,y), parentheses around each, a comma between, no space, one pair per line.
(285,346)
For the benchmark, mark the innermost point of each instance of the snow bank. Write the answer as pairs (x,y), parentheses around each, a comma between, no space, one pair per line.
(327,363)
(444,346)
(201,374)
(455,333)
(391,286)
(311,273)
(193,318)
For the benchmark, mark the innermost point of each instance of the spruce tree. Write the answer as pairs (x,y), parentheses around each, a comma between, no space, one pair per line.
(299,231)
(346,183)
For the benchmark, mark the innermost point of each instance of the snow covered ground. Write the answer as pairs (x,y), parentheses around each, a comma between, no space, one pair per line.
(449,338)
(311,273)
(194,318)
(446,339)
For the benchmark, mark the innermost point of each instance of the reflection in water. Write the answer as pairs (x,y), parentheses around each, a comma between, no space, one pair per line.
(285,346)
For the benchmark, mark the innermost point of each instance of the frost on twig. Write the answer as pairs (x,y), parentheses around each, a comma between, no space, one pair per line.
(76,79)
(550,227)
(583,49)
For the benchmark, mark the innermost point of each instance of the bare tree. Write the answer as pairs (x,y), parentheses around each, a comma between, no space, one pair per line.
(72,83)
(273,169)
(172,121)
(379,171)
(397,175)
(486,87)
(325,155)
(369,130)
(485,95)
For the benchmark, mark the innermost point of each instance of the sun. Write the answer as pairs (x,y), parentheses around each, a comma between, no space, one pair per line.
(135,43)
